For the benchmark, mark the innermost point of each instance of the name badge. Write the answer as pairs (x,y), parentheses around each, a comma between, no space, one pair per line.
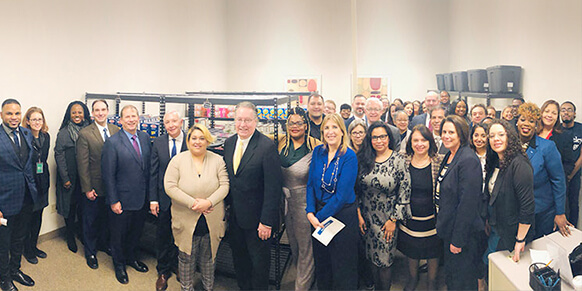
(39,168)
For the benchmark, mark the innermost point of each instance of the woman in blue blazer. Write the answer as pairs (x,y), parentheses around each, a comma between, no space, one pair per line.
(549,177)
(458,195)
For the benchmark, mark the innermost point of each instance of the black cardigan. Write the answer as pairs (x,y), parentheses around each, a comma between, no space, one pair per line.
(460,197)
(512,201)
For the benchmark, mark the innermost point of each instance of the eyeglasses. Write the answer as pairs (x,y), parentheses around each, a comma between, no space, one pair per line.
(380,137)
(401,120)
(358,133)
(567,110)
(247,121)
(373,109)
(295,124)
(35,120)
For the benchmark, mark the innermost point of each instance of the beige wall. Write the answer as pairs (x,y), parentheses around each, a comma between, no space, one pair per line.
(52,52)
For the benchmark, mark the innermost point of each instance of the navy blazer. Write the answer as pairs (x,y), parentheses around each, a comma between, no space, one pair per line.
(255,190)
(419,119)
(460,197)
(126,176)
(15,177)
(159,164)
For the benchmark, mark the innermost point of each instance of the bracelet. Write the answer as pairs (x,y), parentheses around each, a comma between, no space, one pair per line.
(519,240)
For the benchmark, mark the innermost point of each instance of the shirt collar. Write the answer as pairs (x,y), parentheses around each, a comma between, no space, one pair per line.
(9,130)
(129,135)
(179,138)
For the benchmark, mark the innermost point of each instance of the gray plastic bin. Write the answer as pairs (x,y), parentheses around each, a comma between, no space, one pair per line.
(460,81)
(440,81)
(478,80)
(504,79)
(449,85)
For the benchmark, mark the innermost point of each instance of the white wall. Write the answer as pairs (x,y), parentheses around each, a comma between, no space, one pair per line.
(271,40)
(544,37)
(407,40)
(55,51)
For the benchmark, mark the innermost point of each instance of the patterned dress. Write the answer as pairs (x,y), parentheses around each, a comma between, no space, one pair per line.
(384,194)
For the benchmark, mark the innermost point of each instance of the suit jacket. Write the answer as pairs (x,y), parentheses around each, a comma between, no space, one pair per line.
(460,197)
(512,201)
(159,163)
(255,191)
(42,180)
(15,177)
(125,174)
(419,119)
(89,150)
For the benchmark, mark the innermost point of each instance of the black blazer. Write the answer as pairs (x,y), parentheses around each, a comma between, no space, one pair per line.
(512,201)
(255,191)
(40,153)
(159,164)
(125,176)
(460,197)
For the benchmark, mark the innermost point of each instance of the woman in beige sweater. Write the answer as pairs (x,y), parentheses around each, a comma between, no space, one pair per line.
(197,182)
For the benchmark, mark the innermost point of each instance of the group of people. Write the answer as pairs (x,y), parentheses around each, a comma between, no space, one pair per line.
(419,177)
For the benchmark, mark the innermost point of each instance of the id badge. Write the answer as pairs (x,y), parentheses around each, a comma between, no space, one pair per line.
(39,168)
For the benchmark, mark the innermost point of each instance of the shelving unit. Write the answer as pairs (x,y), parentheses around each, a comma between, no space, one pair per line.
(485,95)
(274,99)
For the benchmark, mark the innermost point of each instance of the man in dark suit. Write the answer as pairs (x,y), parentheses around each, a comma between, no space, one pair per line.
(315,112)
(95,208)
(437,115)
(358,105)
(17,194)
(125,171)
(431,100)
(165,148)
(254,171)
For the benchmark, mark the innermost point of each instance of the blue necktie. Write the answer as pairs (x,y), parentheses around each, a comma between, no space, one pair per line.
(173,148)
(105,134)
(16,140)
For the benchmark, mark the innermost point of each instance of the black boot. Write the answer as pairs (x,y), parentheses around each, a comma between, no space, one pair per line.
(71,242)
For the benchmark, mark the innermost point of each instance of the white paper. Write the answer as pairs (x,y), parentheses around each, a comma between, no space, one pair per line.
(538,256)
(331,227)
(3,221)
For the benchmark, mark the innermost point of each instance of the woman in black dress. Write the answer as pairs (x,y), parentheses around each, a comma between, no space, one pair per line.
(68,186)
(35,121)
(417,237)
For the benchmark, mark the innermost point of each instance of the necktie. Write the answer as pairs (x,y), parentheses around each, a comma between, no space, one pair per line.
(237,156)
(16,140)
(135,145)
(173,148)
(105,135)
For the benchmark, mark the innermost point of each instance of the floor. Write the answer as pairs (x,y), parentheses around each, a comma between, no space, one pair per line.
(64,270)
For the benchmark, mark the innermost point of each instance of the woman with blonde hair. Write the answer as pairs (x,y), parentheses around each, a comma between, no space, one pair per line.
(197,182)
(330,192)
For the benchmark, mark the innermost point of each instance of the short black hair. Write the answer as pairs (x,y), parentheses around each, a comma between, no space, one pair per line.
(520,99)
(10,101)
(314,95)
(345,106)
(571,103)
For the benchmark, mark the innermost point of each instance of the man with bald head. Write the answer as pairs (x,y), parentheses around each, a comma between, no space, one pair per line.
(373,112)
(165,147)
(431,101)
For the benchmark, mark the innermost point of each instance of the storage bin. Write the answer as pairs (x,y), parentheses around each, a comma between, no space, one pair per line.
(504,79)
(449,86)
(440,81)
(460,81)
(478,80)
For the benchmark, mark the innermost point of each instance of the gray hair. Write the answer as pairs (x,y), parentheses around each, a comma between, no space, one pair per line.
(246,104)
(376,100)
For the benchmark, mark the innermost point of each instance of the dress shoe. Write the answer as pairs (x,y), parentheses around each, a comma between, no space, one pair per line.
(40,254)
(92,262)
(7,286)
(121,275)
(138,266)
(22,278)
(71,243)
(162,282)
(31,259)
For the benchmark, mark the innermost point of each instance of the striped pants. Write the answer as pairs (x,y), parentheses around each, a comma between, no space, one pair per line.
(201,254)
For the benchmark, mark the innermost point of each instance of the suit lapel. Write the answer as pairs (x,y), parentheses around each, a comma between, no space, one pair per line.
(165,150)
(453,162)
(125,141)
(96,134)
(249,152)
(184,143)
(495,192)
(7,147)
(144,139)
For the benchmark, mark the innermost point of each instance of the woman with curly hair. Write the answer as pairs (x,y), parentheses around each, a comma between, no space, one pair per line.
(383,191)
(549,178)
(509,186)
(459,107)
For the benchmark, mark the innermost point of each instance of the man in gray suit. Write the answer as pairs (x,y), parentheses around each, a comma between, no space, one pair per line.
(89,146)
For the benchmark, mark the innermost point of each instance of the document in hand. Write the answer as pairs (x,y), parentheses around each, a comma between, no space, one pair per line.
(331,227)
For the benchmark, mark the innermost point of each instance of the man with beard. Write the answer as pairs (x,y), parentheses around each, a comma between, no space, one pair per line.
(358,108)
(571,158)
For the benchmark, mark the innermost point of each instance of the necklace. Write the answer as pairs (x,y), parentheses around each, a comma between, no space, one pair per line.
(332,180)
